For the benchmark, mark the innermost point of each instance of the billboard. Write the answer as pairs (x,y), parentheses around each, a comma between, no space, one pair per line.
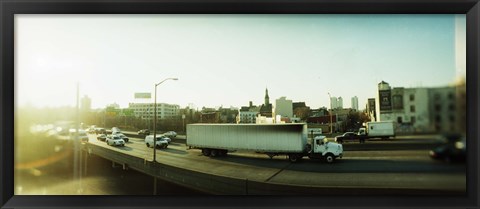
(385,100)
(143,96)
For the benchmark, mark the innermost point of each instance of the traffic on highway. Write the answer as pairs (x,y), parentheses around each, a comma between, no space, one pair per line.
(404,164)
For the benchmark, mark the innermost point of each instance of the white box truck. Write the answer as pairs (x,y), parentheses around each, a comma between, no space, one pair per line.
(272,139)
(381,129)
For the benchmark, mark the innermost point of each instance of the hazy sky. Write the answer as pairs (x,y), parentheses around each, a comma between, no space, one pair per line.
(229,60)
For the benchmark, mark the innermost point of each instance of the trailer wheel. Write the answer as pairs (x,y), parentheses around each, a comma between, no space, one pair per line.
(214,153)
(293,158)
(223,152)
(206,152)
(329,158)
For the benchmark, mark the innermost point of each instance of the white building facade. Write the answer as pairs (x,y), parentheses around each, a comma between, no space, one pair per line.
(147,110)
(419,109)
(247,116)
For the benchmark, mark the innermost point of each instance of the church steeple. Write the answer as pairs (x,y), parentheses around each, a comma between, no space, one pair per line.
(267,99)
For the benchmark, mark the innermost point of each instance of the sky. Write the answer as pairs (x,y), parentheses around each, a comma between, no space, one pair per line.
(229,60)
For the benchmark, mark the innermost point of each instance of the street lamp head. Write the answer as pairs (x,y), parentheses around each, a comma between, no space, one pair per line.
(165,80)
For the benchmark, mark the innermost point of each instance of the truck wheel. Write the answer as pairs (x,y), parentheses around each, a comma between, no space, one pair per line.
(222,152)
(214,153)
(293,158)
(206,152)
(329,158)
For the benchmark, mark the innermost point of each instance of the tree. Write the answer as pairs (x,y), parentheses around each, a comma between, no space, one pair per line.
(302,112)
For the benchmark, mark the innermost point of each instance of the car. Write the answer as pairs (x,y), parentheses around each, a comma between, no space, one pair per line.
(113,140)
(161,141)
(82,135)
(125,138)
(100,131)
(170,134)
(144,132)
(116,130)
(451,151)
(349,136)
(166,138)
(102,137)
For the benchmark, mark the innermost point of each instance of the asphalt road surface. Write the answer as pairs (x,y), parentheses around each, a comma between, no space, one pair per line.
(403,169)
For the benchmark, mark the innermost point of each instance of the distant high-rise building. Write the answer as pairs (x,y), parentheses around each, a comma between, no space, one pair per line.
(340,103)
(333,102)
(355,103)
(284,107)
(86,104)
(336,103)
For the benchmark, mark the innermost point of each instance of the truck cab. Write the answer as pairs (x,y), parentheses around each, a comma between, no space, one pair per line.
(323,149)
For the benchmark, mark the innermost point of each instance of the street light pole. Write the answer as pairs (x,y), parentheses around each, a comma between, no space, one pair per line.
(330,112)
(155,120)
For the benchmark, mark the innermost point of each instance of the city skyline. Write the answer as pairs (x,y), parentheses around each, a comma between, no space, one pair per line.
(229,60)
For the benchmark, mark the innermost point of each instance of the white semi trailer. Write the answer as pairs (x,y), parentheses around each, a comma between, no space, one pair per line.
(272,139)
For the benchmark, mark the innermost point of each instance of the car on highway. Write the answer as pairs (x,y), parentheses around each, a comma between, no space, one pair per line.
(82,134)
(144,132)
(166,138)
(160,141)
(116,130)
(113,140)
(452,151)
(125,138)
(101,137)
(349,136)
(100,131)
(170,134)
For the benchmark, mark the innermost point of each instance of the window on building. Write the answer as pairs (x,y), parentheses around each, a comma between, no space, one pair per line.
(397,102)
(413,119)
(451,107)
(452,118)
(412,108)
(438,108)
(399,120)
(451,96)
(438,118)
(436,96)
(412,97)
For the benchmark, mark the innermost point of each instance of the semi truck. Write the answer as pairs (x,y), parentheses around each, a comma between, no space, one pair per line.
(380,129)
(271,139)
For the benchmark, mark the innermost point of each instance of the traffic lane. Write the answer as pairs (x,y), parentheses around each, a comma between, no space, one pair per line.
(343,174)
(177,155)
(418,142)
(417,181)
(368,172)
(353,161)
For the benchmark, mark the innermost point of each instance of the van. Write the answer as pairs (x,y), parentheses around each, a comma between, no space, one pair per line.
(161,142)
